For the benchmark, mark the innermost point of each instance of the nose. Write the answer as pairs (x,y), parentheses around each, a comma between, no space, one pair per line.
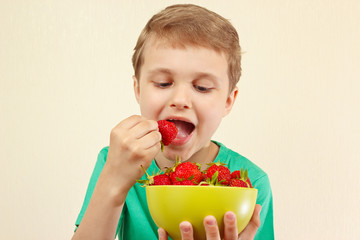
(180,98)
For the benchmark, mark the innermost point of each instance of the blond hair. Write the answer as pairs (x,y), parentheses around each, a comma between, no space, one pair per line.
(187,24)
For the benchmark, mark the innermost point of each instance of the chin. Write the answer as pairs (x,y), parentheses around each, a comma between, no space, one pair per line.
(171,154)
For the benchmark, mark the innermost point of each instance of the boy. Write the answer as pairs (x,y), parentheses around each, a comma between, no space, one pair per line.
(187,64)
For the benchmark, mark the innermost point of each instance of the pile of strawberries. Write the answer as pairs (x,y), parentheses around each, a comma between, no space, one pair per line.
(189,173)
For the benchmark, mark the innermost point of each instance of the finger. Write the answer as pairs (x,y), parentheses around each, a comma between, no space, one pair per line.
(142,128)
(162,234)
(121,130)
(252,227)
(211,228)
(149,140)
(130,121)
(142,136)
(186,231)
(230,227)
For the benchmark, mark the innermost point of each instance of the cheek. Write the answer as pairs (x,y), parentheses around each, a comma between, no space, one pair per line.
(212,116)
(150,105)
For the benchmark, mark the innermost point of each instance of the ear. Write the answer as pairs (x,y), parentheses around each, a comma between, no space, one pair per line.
(230,101)
(136,88)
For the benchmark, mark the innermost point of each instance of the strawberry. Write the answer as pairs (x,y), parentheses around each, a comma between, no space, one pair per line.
(222,177)
(186,171)
(236,182)
(189,173)
(155,179)
(187,182)
(235,174)
(242,175)
(204,184)
(168,131)
(169,170)
(162,179)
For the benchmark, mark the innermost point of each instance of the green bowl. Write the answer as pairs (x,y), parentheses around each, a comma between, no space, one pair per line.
(170,205)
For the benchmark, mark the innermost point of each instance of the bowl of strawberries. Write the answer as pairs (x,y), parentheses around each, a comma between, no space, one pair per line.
(185,193)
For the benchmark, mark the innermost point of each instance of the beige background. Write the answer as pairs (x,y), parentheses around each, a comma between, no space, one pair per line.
(65,76)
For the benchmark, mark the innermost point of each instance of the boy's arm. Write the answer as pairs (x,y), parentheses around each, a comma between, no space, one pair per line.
(103,212)
(133,142)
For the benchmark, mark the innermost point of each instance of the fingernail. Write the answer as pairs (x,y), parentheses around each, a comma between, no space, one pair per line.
(211,221)
(186,228)
(161,233)
(230,216)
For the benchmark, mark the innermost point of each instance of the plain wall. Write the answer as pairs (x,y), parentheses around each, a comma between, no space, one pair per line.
(65,81)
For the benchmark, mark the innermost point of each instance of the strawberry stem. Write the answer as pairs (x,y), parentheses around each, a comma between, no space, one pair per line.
(162,146)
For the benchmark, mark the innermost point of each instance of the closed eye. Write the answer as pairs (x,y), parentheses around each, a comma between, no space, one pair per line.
(163,84)
(202,89)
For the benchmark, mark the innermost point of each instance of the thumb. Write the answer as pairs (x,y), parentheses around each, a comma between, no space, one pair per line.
(162,234)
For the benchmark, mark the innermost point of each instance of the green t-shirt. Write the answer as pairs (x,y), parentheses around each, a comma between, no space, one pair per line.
(135,221)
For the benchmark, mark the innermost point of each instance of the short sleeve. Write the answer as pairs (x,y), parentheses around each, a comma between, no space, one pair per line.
(101,159)
(265,199)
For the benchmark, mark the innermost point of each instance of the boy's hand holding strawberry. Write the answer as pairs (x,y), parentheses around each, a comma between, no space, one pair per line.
(133,142)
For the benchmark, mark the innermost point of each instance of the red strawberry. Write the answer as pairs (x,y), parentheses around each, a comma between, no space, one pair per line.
(243,175)
(222,177)
(186,171)
(162,179)
(177,183)
(235,182)
(235,174)
(155,179)
(168,131)
(188,182)
(204,184)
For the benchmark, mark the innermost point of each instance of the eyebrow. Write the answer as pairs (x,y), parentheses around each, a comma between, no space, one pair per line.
(202,75)
(197,75)
(160,70)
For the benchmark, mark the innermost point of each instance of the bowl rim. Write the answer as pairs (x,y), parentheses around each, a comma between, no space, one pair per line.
(197,186)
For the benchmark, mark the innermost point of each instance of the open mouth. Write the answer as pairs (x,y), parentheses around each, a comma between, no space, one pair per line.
(184,128)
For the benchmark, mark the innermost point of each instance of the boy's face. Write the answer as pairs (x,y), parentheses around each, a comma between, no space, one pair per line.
(189,86)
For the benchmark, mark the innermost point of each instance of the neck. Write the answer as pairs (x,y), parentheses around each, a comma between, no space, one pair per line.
(204,156)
